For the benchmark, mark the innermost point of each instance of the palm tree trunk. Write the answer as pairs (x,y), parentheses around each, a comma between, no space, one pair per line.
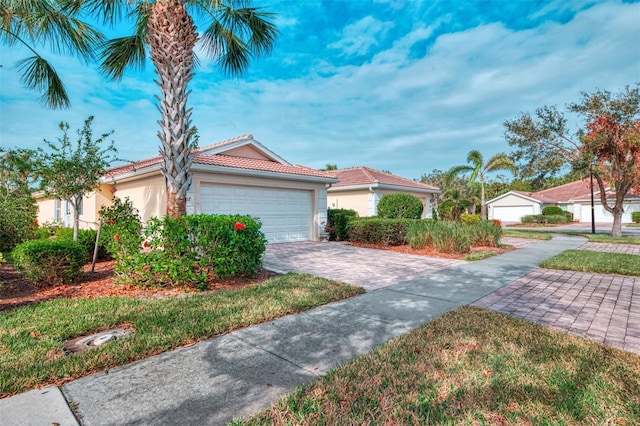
(172,37)
(483,206)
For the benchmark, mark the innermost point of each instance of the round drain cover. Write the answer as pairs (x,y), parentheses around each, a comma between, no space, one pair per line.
(102,339)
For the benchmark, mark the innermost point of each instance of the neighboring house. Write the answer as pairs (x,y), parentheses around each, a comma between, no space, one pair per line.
(237,176)
(574,197)
(361,188)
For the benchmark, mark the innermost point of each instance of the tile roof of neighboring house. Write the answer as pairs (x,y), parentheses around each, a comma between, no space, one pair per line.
(261,165)
(355,176)
(566,192)
(224,161)
(578,190)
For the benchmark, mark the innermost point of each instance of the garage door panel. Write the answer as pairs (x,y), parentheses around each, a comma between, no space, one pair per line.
(511,213)
(285,214)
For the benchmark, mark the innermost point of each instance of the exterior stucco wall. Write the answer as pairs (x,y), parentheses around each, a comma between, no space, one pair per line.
(147,195)
(246,152)
(357,200)
(91,205)
(365,202)
(46,211)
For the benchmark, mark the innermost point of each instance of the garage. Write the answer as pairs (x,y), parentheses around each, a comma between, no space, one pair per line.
(601,215)
(286,214)
(510,213)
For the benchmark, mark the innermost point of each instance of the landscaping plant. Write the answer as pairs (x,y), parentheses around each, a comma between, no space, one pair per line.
(50,262)
(400,206)
(337,223)
(387,232)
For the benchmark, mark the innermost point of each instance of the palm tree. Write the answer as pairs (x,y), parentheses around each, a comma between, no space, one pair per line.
(54,23)
(479,169)
(232,33)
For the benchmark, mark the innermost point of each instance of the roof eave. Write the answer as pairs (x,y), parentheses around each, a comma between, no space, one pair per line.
(261,173)
(383,186)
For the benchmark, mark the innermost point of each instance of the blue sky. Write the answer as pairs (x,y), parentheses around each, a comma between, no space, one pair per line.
(404,86)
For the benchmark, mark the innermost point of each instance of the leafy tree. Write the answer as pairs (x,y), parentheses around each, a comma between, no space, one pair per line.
(608,145)
(438,179)
(18,208)
(478,170)
(71,171)
(400,206)
(453,206)
(232,33)
(330,166)
(52,23)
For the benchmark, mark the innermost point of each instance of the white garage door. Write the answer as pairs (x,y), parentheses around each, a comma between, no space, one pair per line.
(285,213)
(511,213)
(601,215)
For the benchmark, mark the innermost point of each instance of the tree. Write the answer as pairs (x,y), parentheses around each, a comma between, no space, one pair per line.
(479,170)
(329,166)
(608,146)
(18,208)
(232,33)
(453,206)
(46,22)
(71,171)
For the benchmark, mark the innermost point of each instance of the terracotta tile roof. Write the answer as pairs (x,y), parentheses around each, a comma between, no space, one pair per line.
(367,176)
(226,161)
(563,193)
(223,143)
(258,165)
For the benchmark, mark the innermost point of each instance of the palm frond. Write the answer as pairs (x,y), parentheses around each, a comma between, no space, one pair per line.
(122,53)
(39,75)
(500,161)
(236,34)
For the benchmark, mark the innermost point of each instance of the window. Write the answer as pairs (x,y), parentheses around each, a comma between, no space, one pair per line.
(57,210)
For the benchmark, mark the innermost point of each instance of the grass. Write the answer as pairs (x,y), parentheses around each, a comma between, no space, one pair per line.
(472,366)
(32,337)
(479,255)
(604,238)
(595,261)
(533,235)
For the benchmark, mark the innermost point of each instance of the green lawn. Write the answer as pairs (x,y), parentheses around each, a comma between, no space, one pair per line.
(472,366)
(533,235)
(605,238)
(595,261)
(32,337)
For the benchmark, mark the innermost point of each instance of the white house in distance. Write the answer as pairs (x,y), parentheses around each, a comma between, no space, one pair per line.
(361,188)
(574,197)
(237,176)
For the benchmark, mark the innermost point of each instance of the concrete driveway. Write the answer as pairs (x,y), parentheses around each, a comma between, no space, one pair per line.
(368,268)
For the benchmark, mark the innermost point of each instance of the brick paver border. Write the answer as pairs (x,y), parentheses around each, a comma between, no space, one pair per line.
(604,308)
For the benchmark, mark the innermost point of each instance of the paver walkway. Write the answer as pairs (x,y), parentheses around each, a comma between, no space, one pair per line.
(612,248)
(604,308)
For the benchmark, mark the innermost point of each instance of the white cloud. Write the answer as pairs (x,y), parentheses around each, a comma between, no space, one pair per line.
(360,37)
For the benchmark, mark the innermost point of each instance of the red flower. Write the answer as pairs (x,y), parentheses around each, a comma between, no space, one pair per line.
(115,237)
(238,226)
(145,244)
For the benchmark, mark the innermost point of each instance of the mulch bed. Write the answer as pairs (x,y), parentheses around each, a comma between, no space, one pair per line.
(16,291)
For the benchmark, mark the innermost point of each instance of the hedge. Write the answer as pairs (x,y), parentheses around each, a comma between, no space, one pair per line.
(50,262)
(337,223)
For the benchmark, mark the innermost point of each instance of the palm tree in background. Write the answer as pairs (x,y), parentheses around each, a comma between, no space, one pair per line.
(51,23)
(231,34)
(479,169)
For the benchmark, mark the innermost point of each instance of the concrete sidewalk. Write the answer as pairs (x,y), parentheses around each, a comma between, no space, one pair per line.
(239,373)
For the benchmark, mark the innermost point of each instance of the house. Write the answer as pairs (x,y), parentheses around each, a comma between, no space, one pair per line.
(574,197)
(361,188)
(237,176)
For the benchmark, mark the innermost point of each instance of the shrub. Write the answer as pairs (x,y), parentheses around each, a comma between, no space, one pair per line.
(87,238)
(486,234)
(552,210)
(451,238)
(400,206)
(49,262)
(419,234)
(635,217)
(388,232)
(556,218)
(121,232)
(568,215)
(534,218)
(528,219)
(186,250)
(470,219)
(337,221)
(18,214)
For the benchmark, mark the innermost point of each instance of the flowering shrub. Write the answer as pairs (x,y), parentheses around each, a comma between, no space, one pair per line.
(121,235)
(187,250)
